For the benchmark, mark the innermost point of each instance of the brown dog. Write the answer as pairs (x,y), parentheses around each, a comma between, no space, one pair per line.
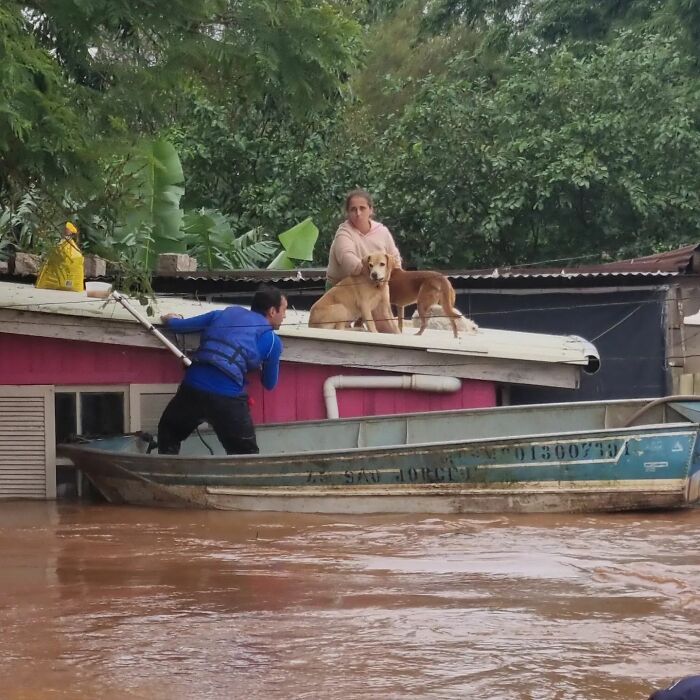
(356,297)
(423,288)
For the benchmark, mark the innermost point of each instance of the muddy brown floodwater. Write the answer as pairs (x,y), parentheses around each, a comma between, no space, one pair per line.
(115,602)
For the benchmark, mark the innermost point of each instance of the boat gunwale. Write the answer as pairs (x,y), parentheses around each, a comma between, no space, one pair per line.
(672,428)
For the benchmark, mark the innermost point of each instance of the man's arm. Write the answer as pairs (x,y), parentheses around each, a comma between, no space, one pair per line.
(270,347)
(189,325)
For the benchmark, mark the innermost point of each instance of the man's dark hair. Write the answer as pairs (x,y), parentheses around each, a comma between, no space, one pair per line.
(266,297)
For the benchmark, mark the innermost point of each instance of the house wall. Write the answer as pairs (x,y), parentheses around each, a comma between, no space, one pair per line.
(37,360)
(33,366)
(30,360)
(299,396)
(683,339)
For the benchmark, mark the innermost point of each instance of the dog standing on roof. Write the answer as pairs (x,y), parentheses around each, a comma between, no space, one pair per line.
(426,289)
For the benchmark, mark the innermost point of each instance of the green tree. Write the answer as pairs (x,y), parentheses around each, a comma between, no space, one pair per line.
(41,135)
(553,22)
(83,81)
(567,156)
(263,166)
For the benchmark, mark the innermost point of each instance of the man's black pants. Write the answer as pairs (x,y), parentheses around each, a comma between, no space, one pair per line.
(228,415)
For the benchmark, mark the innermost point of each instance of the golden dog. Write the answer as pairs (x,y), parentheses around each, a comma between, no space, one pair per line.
(356,297)
(423,288)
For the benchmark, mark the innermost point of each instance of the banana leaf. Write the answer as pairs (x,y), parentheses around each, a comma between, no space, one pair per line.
(298,243)
(209,236)
(154,224)
(282,262)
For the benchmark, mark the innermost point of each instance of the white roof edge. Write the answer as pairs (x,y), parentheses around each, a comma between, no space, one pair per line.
(487,342)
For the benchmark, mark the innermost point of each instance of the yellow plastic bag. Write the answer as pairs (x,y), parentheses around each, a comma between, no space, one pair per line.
(64,268)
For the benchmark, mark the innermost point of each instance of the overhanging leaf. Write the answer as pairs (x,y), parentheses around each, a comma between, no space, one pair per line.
(157,174)
(282,262)
(299,241)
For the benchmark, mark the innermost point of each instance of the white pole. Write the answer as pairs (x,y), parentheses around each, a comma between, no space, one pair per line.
(150,327)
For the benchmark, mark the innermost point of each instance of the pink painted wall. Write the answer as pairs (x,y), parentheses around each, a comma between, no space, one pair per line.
(298,396)
(28,359)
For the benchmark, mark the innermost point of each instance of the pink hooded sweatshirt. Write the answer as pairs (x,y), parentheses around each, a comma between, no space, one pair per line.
(350,247)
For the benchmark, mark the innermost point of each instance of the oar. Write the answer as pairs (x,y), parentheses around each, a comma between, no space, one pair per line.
(151,328)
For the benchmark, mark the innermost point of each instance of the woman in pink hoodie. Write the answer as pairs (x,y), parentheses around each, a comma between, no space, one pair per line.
(358,236)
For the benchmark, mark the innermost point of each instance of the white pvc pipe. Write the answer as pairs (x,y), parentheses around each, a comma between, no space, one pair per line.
(151,328)
(416,382)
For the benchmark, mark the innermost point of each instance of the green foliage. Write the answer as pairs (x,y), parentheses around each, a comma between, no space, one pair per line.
(211,240)
(396,61)
(40,131)
(152,220)
(149,220)
(297,246)
(442,15)
(18,225)
(490,131)
(264,168)
(82,80)
(31,222)
(555,161)
(547,23)
(295,50)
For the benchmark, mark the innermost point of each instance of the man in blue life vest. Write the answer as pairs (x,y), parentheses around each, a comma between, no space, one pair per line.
(234,342)
(687,688)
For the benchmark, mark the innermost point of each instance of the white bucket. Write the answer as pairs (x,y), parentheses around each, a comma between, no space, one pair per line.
(98,290)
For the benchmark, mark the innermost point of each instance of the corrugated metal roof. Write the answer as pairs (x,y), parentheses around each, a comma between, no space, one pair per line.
(510,273)
(671,263)
(678,260)
(684,260)
(315,274)
(319,275)
(668,264)
(512,345)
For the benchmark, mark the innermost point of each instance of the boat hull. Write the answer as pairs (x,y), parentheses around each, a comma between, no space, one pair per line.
(423,500)
(639,468)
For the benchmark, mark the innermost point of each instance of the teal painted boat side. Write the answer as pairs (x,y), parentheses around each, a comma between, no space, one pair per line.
(654,465)
(661,452)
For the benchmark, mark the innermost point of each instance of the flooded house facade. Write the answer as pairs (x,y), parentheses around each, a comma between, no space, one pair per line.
(72,366)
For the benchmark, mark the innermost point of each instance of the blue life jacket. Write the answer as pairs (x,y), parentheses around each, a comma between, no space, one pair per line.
(230,343)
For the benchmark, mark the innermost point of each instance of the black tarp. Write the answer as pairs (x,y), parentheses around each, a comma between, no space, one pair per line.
(627,328)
